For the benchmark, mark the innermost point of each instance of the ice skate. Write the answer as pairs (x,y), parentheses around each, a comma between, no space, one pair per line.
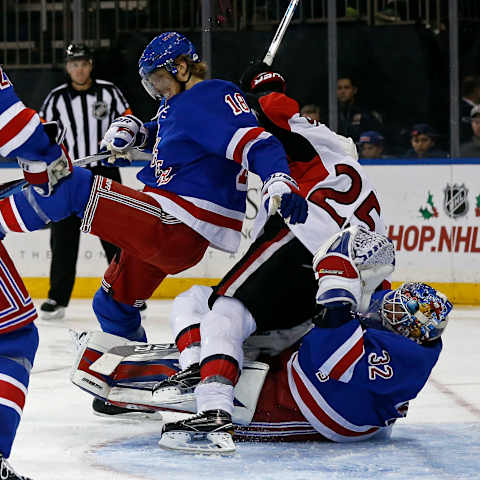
(7,472)
(208,432)
(51,310)
(179,387)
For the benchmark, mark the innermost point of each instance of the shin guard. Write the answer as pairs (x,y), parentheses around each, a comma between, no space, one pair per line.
(223,331)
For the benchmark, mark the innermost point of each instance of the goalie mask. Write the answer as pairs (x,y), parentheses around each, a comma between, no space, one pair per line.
(162,52)
(416,311)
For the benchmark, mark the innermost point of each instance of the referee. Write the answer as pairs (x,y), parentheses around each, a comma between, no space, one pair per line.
(85,106)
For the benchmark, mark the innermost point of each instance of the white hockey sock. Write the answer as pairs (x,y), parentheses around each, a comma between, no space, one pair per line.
(214,395)
(189,356)
(224,329)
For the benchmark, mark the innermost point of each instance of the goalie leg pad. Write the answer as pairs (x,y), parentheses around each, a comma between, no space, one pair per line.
(123,373)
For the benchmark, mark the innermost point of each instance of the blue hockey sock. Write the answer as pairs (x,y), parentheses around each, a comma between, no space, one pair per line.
(17,352)
(118,318)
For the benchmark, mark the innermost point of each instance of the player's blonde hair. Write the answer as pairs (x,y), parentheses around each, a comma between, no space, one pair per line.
(198,69)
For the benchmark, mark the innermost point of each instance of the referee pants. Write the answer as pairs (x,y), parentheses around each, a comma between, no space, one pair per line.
(64,243)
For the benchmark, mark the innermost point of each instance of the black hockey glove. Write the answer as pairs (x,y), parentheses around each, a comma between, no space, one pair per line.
(259,78)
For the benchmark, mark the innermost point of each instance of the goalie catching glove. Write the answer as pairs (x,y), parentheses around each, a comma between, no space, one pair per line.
(124,134)
(44,176)
(350,265)
(283,196)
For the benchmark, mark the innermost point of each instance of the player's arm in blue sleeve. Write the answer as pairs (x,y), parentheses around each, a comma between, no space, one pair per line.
(21,132)
(225,126)
(152,128)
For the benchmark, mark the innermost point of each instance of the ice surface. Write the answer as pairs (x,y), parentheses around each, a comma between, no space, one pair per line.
(60,438)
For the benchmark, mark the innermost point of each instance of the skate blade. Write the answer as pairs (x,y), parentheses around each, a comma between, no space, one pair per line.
(57,315)
(133,415)
(172,395)
(214,443)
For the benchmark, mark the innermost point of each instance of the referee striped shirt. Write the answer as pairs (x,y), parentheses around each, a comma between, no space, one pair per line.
(86,114)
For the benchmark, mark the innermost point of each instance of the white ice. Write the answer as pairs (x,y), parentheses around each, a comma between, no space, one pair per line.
(59,437)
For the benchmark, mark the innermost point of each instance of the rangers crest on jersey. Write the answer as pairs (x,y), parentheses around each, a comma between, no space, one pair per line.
(455,200)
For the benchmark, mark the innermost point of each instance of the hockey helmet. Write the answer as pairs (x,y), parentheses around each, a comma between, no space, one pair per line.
(77,51)
(162,52)
(416,311)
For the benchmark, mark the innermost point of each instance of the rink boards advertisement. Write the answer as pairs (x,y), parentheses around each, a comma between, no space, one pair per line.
(432,212)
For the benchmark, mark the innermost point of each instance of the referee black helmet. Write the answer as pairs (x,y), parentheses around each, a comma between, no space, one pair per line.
(77,51)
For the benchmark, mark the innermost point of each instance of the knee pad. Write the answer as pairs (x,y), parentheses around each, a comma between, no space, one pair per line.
(187,312)
(118,318)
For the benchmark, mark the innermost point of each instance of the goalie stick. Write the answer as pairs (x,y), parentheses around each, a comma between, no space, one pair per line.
(12,186)
(282,28)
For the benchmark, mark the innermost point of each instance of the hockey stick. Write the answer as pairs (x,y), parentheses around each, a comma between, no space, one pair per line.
(12,186)
(282,28)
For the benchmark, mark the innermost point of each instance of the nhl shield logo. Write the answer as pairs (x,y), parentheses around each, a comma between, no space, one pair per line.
(100,110)
(455,200)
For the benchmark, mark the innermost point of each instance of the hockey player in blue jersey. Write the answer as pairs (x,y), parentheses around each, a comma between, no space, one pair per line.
(354,372)
(204,140)
(45,164)
(321,162)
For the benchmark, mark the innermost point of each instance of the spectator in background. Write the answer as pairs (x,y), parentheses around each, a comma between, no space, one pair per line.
(423,138)
(85,106)
(352,118)
(371,145)
(472,149)
(470,99)
(312,112)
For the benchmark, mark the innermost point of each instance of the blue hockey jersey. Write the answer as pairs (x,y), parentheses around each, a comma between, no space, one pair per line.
(351,382)
(204,140)
(21,134)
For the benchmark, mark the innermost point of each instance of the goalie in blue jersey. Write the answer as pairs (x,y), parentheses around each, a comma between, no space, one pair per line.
(352,376)
(348,379)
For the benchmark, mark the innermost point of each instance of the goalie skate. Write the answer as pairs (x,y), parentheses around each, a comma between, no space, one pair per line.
(178,388)
(102,408)
(209,432)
